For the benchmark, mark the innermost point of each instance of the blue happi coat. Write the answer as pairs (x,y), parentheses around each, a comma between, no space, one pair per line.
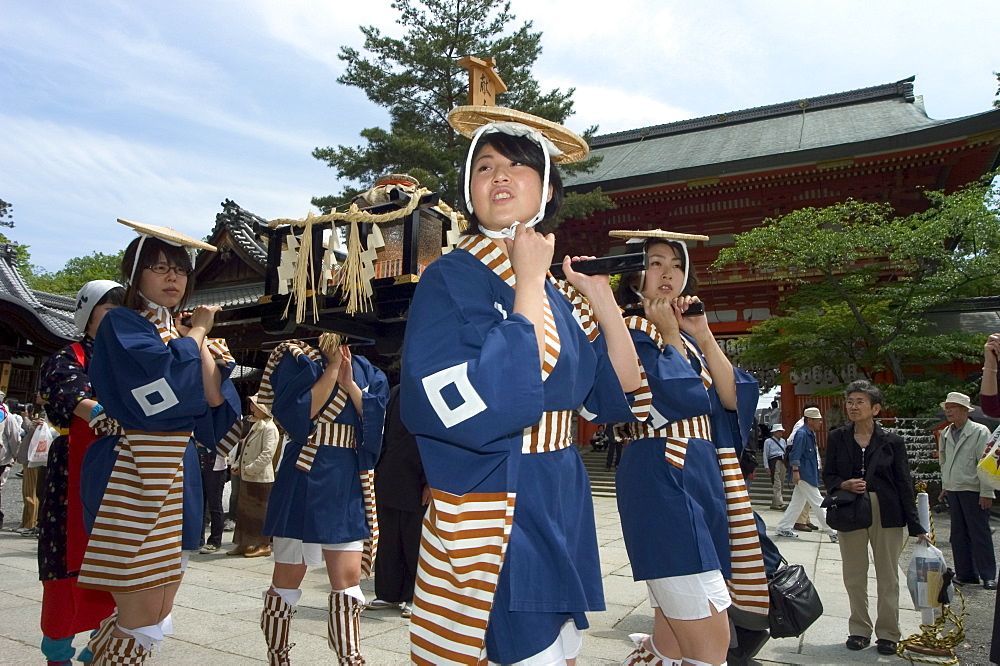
(471,385)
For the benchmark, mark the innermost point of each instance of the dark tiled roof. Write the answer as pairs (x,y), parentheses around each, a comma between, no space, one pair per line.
(55,312)
(244,227)
(972,315)
(243,294)
(801,125)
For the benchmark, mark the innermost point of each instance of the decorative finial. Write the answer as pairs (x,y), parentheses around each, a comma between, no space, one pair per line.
(484,83)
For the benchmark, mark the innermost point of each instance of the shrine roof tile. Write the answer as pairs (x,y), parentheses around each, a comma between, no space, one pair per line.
(53,311)
(743,140)
(243,294)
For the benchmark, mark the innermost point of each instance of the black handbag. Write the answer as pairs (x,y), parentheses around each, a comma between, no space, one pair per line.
(795,603)
(847,511)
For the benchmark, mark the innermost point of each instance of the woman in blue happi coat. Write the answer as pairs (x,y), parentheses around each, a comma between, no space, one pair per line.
(321,511)
(686,517)
(497,361)
(166,383)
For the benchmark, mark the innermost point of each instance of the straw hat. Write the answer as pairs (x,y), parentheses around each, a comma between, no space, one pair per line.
(467,119)
(167,235)
(255,399)
(634,235)
(956,398)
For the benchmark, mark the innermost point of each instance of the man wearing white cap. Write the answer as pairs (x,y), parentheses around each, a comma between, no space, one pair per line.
(804,473)
(959,449)
(774,453)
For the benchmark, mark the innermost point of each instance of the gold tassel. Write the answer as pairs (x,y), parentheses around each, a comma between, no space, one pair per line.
(301,282)
(329,342)
(351,273)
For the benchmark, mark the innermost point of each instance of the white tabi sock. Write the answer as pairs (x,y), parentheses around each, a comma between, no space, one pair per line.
(288,595)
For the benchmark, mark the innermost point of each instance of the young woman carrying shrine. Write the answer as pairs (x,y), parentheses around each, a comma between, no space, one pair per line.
(162,379)
(498,357)
(685,512)
(321,510)
(69,398)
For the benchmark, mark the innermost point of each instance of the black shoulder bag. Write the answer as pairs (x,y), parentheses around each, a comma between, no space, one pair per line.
(847,510)
(795,603)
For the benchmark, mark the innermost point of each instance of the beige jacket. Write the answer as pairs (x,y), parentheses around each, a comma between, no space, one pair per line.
(959,459)
(256,452)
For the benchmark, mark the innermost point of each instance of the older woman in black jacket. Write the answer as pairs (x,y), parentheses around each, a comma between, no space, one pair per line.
(861,457)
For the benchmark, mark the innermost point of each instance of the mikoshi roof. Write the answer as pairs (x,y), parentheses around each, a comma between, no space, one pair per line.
(467,119)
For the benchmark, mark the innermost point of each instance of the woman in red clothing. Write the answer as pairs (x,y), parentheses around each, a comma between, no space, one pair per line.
(70,400)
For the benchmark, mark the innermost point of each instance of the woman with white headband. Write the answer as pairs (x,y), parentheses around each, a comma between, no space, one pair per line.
(685,513)
(498,358)
(64,385)
(165,382)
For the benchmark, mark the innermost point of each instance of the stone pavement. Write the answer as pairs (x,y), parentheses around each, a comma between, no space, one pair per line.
(218,608)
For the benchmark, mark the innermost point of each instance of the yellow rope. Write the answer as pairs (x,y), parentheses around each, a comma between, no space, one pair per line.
(931,635)
(352,279)
(355,214)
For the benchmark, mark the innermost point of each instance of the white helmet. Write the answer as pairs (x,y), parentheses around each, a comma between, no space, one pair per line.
(87,299)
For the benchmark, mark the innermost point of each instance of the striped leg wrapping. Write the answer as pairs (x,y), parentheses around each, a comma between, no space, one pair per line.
(276,622)
(642,655)
(120,652)
(98,641)
(370,550)
(344,628)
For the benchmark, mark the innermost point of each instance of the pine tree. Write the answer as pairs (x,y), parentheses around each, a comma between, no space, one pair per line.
(418,79)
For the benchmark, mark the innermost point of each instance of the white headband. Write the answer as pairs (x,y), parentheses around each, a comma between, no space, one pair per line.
(138,252)
(511,129)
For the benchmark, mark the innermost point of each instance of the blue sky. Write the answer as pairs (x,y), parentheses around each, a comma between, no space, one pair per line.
(158,111)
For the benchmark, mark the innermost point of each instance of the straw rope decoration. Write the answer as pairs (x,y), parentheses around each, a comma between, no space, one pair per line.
(934,646)
(352,279)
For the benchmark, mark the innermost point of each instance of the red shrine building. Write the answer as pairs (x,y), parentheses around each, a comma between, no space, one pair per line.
(722,175)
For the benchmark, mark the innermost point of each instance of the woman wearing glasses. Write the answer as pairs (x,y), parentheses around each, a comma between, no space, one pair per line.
(863,458)
(166,383)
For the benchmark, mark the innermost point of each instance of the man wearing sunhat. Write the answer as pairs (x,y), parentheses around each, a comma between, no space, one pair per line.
(804,474)
(774,453)
(959,449)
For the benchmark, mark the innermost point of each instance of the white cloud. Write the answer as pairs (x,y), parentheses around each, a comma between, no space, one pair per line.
(68,186)
(617,110)
(318,29)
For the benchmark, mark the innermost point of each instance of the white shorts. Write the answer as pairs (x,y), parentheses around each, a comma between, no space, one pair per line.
(567,646)
(294,551)
(690,597)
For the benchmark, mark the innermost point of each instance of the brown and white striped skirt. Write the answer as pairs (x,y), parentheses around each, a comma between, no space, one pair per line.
(136,540)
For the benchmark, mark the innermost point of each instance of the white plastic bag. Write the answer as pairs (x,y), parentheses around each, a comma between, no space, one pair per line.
(988,469)
(925,575)
(38,448)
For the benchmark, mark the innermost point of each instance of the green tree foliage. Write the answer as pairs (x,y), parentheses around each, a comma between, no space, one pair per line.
(996,102)
(866,280)
(24,266)
(418,79)
(6,217)
(77,272)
